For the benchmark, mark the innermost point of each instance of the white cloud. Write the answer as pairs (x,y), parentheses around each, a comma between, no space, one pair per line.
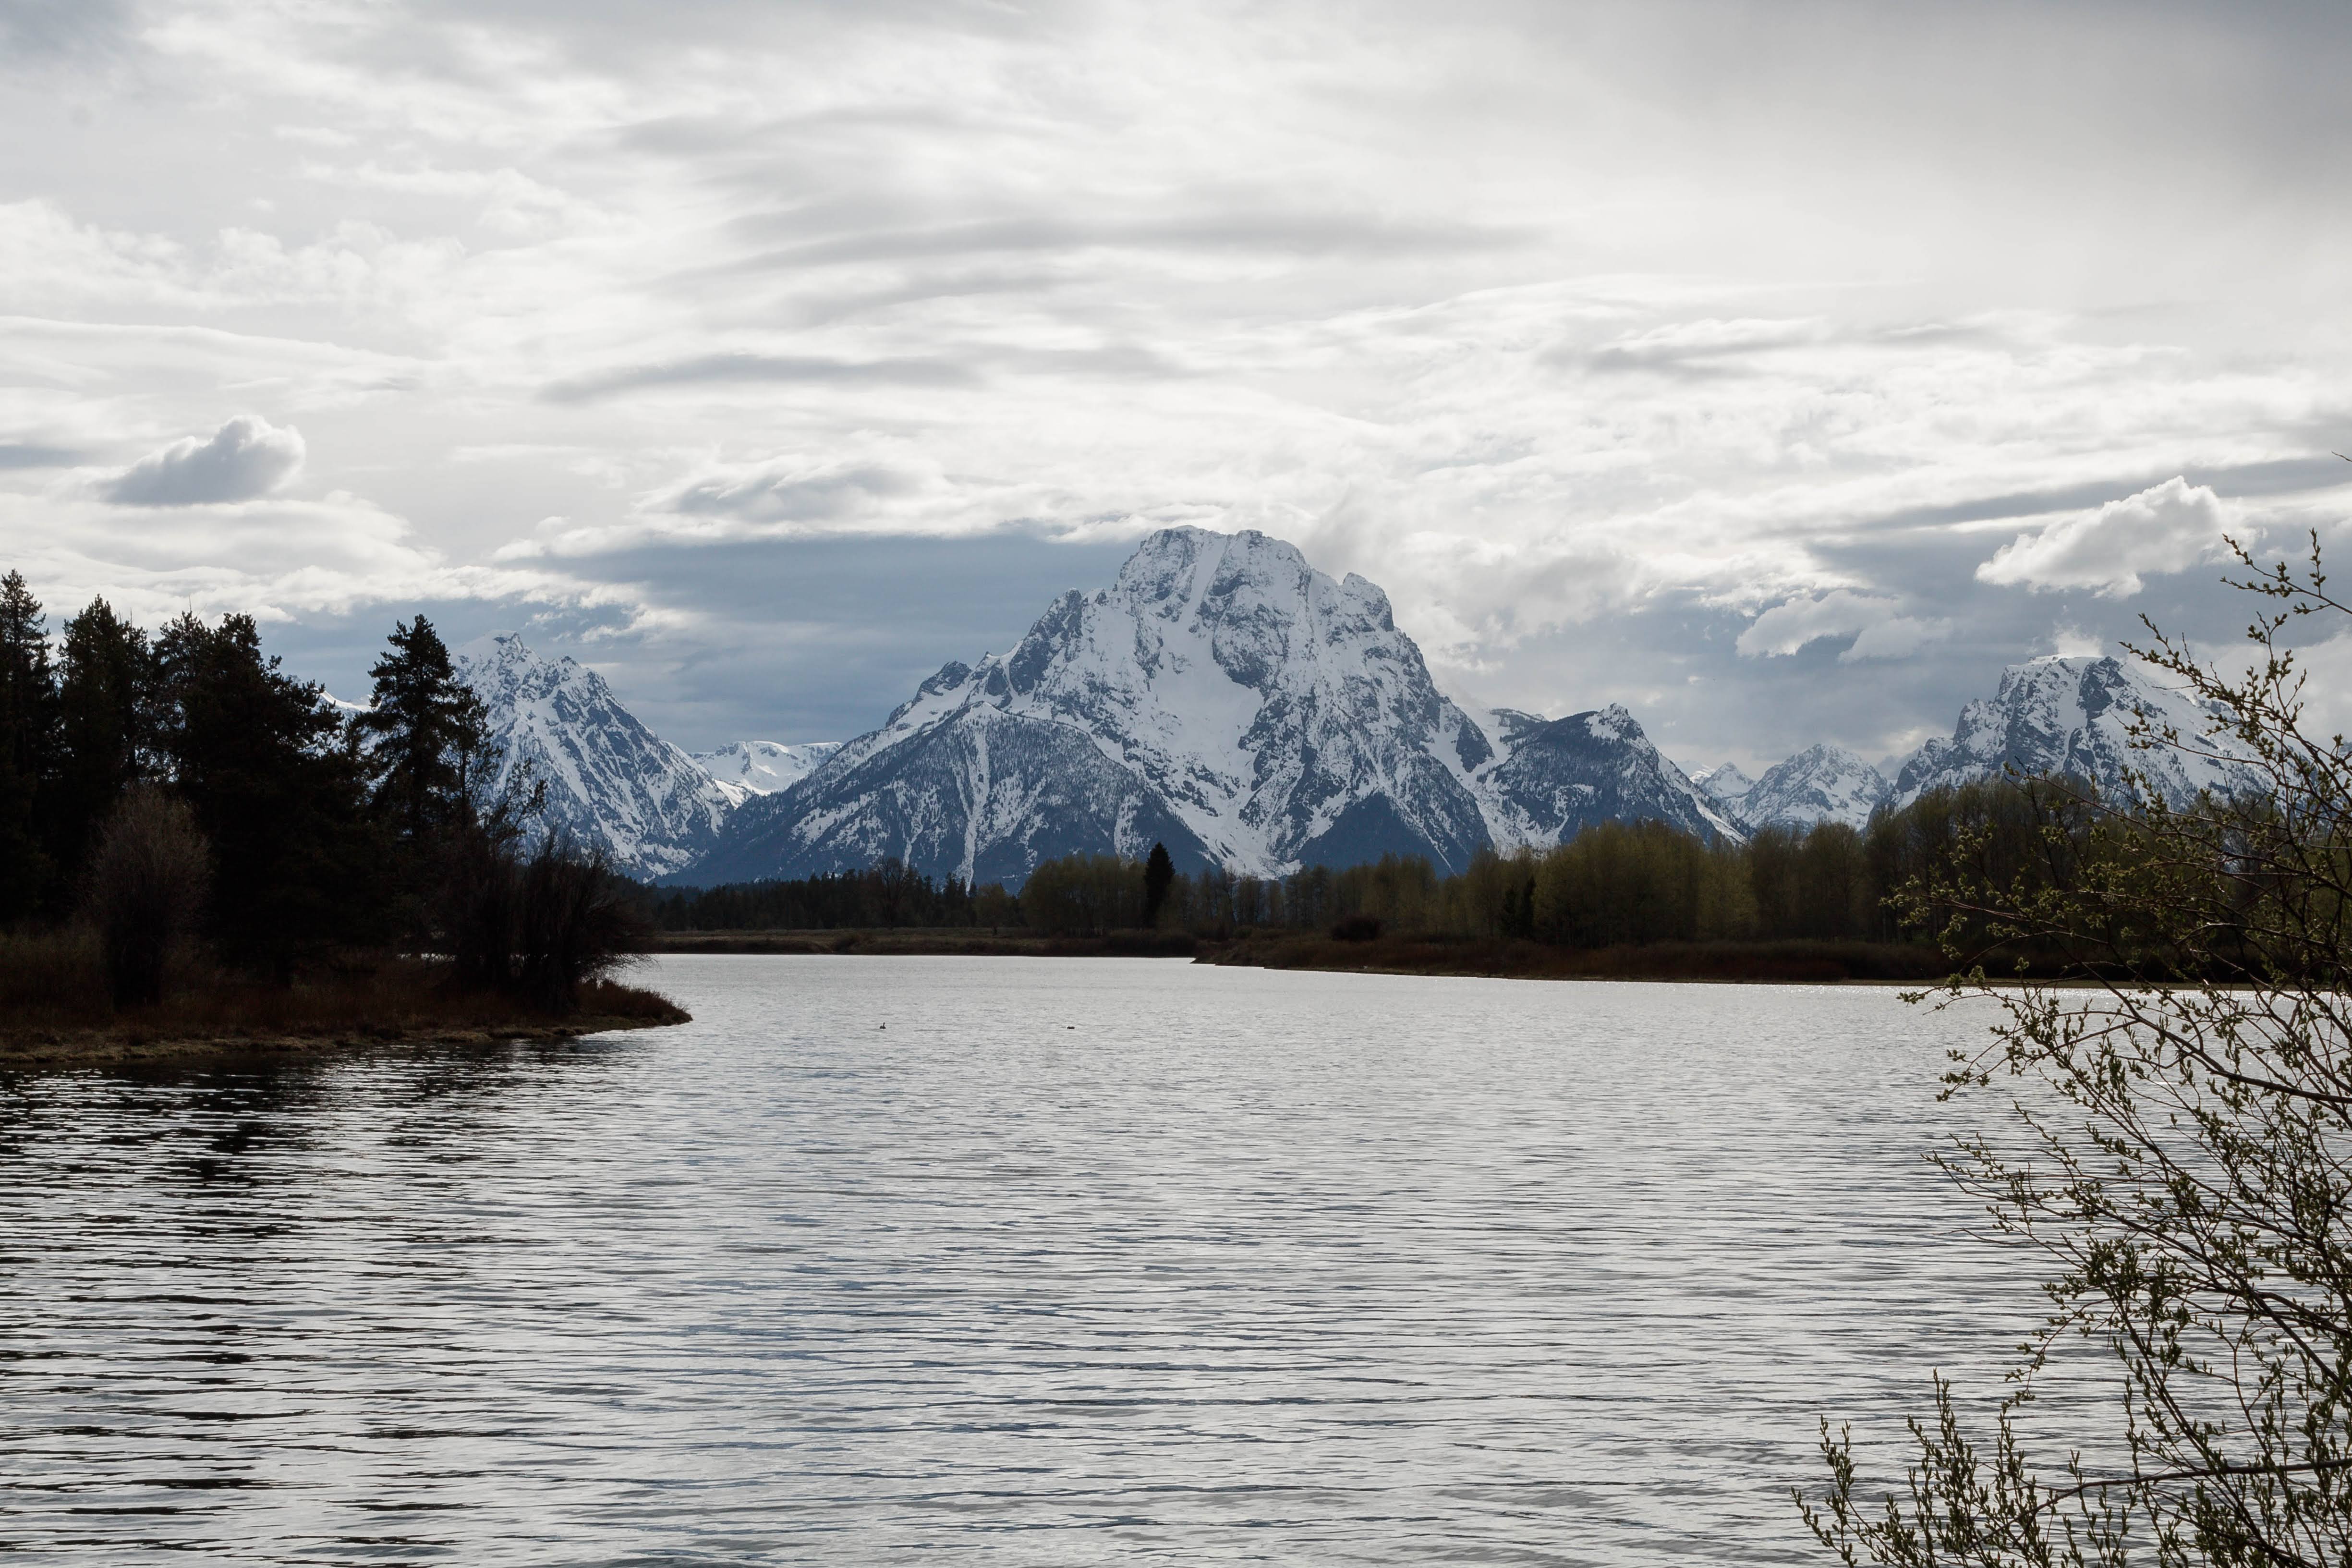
(1543,318)
(246,457)
(2165,528)
(1878,627)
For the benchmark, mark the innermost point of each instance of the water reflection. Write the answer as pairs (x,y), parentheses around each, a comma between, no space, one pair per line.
(1072,1262)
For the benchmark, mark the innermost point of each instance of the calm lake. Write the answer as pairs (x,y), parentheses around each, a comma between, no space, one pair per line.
(997,1260)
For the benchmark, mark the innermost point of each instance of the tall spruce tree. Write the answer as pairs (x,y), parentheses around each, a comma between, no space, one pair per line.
(1158,876)
(106,713)
(28,732)
(424,726)
(279,788)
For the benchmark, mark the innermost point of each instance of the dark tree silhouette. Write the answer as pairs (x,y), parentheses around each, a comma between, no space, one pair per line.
(29,728)
(423,726)
(1158,876)
(106,699)
(278,787)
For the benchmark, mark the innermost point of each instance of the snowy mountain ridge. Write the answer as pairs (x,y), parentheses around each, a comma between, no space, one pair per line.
(763,767)
(1222,697)
(2071,716)
(610,780)
(1820,783)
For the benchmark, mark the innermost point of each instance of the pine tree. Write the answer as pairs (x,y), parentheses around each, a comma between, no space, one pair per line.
(424,727)
(106,705)
(278,787)
(1158,876)
(27,749)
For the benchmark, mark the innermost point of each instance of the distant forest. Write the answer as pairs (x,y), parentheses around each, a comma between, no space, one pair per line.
(1617,884)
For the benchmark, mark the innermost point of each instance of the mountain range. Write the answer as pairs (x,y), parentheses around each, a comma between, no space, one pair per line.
(1227,700)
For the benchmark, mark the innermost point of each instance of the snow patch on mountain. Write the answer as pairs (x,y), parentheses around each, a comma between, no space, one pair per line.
(1555,779)
(2073,716)
(1222,697)
(764,767)
(610,780)
(1821,783)
(1724,784)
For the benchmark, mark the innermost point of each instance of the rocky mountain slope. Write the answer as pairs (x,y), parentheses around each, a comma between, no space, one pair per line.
(610,780)
(1225,699)
(2068,716)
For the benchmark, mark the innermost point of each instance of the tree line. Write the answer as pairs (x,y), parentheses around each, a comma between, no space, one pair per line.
(182,785)
(887,895)
(1615,884)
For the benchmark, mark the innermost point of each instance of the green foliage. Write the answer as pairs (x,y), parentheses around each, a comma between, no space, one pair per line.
(2183,1170)
(1085,895)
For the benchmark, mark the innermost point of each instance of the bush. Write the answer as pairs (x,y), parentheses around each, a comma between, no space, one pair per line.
(146,885)
(575,923)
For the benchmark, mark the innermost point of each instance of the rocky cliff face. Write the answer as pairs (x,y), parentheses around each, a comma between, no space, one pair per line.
(1225,699)
(610,780)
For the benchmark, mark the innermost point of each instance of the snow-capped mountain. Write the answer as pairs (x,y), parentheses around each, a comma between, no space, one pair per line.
(2069,716)
(610,780)
(1821,783)
(1554,780)
(1724,784)
(1223,698)
(764,767)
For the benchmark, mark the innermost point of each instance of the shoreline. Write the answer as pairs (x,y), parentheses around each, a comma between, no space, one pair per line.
(116,1044)
(1746,963)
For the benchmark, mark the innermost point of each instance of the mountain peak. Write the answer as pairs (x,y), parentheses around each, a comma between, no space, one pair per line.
(1221,696)
(610,781)
(2071,715)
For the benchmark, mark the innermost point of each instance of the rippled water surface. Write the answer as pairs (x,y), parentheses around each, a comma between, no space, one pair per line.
(997,1260)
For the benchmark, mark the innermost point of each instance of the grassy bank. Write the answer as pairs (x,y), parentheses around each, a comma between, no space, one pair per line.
(54,1010)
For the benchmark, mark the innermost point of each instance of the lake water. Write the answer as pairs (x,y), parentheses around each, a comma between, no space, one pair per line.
(994,1261)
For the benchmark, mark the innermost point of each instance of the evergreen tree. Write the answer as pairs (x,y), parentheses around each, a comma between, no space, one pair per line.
(278,787)
(105,727)
(27,749)
(425,727)
(1158,876)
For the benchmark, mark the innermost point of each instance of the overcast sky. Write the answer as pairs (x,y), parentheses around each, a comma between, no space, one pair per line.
(1782,370)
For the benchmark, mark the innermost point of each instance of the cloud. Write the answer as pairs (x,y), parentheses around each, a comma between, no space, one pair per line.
(741,369)
(2165,528)
(244,458)
(790,491)
(1878,628)
(32,30)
